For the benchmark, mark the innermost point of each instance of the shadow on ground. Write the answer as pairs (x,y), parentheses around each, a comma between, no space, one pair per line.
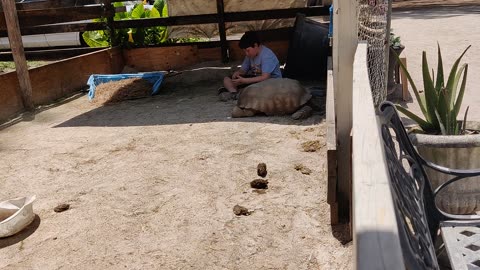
(342,233)
(22,235)
(183,99)
(435,12)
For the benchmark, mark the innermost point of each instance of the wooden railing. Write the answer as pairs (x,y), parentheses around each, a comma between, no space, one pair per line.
(37,21)
(375,231)
(54,16)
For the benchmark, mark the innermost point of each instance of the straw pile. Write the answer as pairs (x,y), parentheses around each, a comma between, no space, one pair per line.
(117,91)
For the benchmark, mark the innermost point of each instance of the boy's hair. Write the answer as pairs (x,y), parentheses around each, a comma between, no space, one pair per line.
(248,40)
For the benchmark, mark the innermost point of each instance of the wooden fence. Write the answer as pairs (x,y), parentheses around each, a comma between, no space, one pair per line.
(59,16)
(375,233)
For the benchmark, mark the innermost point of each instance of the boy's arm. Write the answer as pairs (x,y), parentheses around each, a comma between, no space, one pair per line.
(256,79)
(237,74)
(244,68)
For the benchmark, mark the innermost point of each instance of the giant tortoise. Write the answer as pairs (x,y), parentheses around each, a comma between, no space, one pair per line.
(277,96)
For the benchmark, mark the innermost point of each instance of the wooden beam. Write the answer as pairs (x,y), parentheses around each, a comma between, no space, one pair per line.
(28,18)
(405,94)
(275,14)
(16,44)
(331,146)
(344,44)
(268,34)
(50,54)
(32,26)
(222,31)
(53,4)
(60,28)
(109,9)
(376,240)
(45,4)
(228,17)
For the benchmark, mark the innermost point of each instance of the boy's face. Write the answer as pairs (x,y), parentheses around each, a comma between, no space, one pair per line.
(251,52)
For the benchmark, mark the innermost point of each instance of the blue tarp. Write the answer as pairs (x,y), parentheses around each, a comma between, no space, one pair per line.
(155,78)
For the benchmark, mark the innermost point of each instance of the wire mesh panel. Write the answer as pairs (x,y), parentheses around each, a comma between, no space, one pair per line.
(373,26)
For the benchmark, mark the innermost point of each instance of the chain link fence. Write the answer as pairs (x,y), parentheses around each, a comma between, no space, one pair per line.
(374,27)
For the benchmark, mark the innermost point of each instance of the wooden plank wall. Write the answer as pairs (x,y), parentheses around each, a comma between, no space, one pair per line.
(161,58)
(172,58)
(68,76)
(57,80)
(10,98)
(376,240)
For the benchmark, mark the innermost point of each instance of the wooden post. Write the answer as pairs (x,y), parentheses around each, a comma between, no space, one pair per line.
(331,146)
(387,52)
(110,10)
(221,30)
(16,45)
(405,94)
(344,44)
(376,241)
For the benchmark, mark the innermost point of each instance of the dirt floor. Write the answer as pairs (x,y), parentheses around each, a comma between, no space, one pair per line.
(152,184)
(422,4)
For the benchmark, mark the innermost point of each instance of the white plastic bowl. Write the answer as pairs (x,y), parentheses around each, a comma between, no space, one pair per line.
(15,215)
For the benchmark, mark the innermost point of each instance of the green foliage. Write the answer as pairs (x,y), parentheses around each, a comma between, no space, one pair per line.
(161,6)
(97,38)
(10,66)
(394,40)
(185,40)
(131,37)
(440,103)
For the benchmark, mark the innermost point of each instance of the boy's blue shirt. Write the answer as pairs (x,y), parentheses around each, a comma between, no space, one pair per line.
(265,62)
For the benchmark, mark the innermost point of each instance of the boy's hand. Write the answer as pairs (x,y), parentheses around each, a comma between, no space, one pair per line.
(236,75)
(238,80)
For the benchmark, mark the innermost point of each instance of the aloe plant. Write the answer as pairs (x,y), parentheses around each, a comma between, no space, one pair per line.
(440,102)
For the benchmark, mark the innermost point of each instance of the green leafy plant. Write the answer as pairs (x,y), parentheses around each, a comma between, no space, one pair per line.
(131,37)
(440,102)
(394,40)
(10,66)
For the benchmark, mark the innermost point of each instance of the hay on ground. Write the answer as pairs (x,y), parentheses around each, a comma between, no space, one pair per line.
(117,91)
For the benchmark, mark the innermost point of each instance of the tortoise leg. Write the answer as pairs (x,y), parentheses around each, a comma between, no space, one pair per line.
(239,112)
(302,113)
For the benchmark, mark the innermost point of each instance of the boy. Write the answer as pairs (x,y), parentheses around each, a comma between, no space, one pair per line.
(260,64)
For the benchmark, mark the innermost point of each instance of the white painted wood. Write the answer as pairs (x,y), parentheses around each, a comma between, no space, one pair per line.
(376,242)
(344,44)
(331,146)
(330,108)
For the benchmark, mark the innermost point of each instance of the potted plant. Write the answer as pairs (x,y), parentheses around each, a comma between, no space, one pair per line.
(442,138)
(396,48)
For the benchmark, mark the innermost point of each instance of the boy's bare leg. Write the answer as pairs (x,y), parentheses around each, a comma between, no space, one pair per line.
(229,85)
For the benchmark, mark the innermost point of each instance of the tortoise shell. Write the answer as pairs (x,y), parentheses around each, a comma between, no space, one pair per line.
(277,96)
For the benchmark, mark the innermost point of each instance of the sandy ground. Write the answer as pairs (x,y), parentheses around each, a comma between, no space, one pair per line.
(454,28)
(152,184)
(422,4)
